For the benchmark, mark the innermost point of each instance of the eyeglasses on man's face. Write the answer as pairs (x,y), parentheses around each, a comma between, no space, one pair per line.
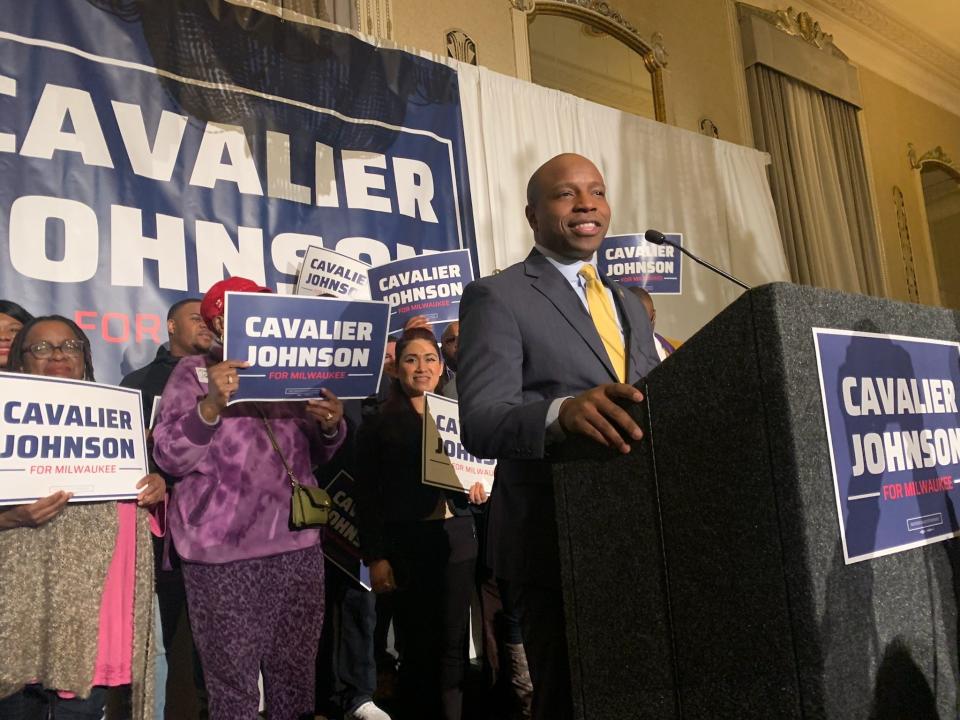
(43,350)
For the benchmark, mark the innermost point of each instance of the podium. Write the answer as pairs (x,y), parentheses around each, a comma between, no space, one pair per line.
(703,574)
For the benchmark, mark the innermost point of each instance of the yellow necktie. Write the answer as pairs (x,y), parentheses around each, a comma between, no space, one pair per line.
(602,313)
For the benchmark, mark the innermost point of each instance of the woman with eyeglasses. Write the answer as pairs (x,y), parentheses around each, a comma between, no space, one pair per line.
(76,581)
(419,541)
(12,318)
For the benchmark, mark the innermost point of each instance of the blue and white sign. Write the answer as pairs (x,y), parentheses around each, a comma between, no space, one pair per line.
(297,345)
(428,285)
(148,150)
(633,261)
(890,405)
(331,274)
(81,437)
(341,540)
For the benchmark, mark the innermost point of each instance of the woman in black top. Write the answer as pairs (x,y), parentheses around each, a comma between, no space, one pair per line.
(419,541)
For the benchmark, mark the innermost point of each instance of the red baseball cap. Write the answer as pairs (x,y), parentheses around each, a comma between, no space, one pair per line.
(212,304)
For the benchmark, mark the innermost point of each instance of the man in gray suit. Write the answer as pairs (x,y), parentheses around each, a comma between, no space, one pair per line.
(535,367)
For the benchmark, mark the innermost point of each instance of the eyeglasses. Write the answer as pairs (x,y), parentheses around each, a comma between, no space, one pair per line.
(42,350)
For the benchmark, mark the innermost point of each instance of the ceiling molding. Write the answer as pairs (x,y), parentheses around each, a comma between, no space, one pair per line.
(894,49)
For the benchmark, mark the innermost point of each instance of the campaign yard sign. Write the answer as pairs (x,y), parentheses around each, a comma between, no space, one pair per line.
(446,462)
(58,434)
(297,345)
(633,261)
(429,285)
(890,406)
(327,272)
(341,544)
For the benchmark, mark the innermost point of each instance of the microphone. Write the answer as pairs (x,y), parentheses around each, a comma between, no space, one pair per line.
(658,238)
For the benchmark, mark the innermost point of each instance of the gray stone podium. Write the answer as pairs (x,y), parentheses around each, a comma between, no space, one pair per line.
(704,575)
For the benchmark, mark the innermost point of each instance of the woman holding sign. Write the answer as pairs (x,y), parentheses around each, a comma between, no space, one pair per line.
(254,583)
(76,582)
(419,541)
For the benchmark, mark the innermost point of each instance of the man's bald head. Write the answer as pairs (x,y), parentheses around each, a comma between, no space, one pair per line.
(546,172)
(567,206)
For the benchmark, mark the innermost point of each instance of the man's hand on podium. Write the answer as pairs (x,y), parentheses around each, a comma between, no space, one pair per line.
(596,414)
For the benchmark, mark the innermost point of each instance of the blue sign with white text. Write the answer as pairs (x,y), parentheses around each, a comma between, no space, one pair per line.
(890,405)
(428,285)
(150,149)
(632,261)
(297,345)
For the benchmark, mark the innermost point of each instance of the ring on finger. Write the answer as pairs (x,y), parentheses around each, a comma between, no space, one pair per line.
(329,417)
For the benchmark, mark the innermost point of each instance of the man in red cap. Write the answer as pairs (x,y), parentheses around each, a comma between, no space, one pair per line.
(254,584)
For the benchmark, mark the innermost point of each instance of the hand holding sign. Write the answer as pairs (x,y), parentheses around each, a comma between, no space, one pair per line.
(34,514)
(222,383)
(327,412)
(381,576)
(154,488)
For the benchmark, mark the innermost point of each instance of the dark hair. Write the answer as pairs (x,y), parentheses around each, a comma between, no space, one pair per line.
(397,394)
(15,360)
(179,304)
(17,312)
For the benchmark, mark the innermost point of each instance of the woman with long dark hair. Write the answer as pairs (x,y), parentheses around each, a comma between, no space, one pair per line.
(76,581)
(419,542)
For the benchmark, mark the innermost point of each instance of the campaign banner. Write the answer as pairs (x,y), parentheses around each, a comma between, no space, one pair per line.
(148,150)
(297,345)
(633,261)
(890,406)
(446,462)
(329,273)
(429,285)
(57,434)
(341,541)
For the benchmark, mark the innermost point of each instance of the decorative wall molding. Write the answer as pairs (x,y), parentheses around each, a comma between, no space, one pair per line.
(906,246)
(461,46)
(936,155)
(893,49)
(798,23)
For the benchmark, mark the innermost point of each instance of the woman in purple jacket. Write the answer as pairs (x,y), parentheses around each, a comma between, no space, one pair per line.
(254,586)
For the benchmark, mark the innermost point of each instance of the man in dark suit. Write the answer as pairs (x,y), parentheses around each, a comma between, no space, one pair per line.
(546,348)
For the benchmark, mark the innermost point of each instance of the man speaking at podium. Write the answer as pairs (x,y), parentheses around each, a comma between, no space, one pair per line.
(546,347)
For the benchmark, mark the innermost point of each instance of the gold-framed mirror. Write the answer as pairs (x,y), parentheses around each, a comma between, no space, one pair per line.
(588,49)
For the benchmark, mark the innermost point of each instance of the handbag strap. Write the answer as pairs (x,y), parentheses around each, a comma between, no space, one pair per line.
(273,441)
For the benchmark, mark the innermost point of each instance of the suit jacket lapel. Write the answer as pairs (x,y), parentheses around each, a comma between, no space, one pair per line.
(547,280)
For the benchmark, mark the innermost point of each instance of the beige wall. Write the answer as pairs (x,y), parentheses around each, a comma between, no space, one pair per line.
(893,117)
(704,79)
(700,78)
(424,24)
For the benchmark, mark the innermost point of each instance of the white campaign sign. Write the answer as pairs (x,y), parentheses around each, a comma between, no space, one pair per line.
(58,434)
(446,463)
(325,272)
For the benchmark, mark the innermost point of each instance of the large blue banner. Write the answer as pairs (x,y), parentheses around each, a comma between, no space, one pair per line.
(633,261)
(893,426)
(297,345)
(148,150)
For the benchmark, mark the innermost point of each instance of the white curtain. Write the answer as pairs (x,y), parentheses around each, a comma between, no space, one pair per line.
(717,194)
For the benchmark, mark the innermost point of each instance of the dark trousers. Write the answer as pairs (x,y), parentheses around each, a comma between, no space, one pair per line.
(545,641)
(172,597)
(346,669)
(249,616)
(434,567)
(35,703)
